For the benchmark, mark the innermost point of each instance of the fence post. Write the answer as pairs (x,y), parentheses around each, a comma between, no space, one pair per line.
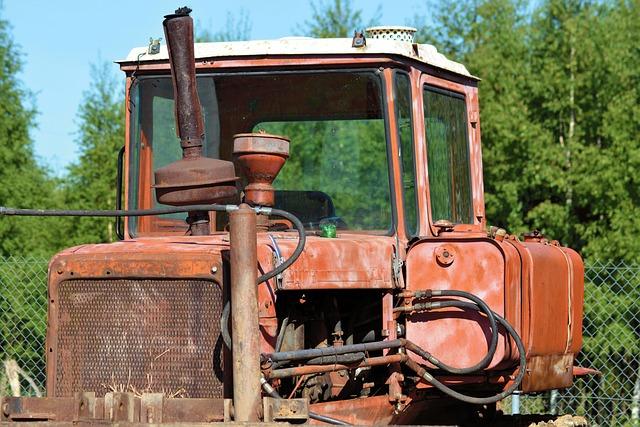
(515,403)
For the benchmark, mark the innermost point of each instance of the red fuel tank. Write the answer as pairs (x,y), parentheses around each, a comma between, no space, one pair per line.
(536,285)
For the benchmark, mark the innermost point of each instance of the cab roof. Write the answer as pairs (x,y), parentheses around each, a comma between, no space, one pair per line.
(424,53)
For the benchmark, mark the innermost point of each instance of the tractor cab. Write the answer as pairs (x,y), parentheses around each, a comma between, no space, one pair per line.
(357,120)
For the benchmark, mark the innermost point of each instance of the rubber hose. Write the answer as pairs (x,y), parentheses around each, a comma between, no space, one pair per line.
(224,324)
(338,359)
(472,399)
(302,239)
(493,344)
(293,355)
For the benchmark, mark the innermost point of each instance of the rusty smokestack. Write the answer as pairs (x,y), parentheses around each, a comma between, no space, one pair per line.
(194,179)
(178,30)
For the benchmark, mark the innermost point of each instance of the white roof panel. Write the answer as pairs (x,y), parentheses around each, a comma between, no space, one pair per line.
(425,53)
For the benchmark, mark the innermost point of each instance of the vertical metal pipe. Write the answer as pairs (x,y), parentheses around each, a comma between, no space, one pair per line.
(178,30)
(244,315)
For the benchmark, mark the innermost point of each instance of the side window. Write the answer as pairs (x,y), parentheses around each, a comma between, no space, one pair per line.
(402,93)
(448,156)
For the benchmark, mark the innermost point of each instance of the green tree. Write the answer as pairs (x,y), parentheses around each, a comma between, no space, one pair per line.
(559,114)
(237,28)
(91,179)
(24,182)
(335,18)
(482,34)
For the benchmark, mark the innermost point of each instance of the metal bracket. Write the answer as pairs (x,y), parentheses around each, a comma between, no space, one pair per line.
(277,260)
(121,407)
(151,405)
(85,405)
(296,410)
(397,263)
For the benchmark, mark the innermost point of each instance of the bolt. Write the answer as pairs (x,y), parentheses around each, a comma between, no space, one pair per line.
(214,269)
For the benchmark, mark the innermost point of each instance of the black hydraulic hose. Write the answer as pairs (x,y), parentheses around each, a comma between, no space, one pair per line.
(484,308)
(472,399)
(325,419)
(302,238)
(337,359)
(288,356)
(224,325)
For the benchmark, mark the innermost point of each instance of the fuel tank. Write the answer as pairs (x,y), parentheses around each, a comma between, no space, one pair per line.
(536,284)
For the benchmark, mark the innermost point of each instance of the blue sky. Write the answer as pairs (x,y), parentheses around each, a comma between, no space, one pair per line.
(59,41)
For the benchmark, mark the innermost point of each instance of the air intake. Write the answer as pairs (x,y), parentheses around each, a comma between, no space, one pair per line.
(402,34)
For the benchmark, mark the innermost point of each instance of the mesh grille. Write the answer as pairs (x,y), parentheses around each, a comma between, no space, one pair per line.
(145,335)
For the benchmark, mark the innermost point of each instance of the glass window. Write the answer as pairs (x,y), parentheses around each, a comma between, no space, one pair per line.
(448,156)
(337,169)
(405,135)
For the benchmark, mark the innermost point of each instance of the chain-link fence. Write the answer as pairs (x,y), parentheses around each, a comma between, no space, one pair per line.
(611,331)
(23,325)
(611,342)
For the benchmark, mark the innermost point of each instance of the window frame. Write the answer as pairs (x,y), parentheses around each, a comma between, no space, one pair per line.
(135,169)
(416,227)
(469,94)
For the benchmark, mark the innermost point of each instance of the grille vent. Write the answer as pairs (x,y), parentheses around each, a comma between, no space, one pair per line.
(147,335)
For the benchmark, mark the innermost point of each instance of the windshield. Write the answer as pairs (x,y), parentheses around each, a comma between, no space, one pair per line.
(337,170)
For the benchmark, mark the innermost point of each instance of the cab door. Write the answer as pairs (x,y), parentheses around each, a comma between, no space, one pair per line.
(453,252)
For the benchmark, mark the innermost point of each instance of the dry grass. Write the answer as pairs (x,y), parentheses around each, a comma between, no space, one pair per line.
(116,387)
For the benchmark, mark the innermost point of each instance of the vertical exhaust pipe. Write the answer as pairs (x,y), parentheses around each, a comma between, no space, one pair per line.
(244,315)
(178,30)
(194,179)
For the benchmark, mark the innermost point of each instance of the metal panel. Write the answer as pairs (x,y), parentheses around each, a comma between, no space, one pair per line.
(139,335)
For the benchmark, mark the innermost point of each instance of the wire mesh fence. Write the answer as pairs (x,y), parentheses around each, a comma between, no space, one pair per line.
(611,330)
(611,342)
(23,325)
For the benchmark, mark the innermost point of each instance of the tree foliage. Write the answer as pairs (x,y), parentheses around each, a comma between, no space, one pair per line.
(559,107)
(24,182)
(237,28)
(91,179)
(335,18)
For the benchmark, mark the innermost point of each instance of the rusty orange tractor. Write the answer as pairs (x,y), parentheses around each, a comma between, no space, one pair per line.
(311,247)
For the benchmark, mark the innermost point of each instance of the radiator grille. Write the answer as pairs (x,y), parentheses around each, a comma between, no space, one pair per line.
(144,335)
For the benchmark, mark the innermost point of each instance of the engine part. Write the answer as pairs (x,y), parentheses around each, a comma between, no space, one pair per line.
(261,156)
(193,179)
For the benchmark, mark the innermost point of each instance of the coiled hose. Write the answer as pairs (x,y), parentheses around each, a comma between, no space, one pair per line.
(422,372)
(482,307)
(414,348)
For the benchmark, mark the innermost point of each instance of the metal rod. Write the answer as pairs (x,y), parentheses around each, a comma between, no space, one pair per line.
(6,211)
(316,369)
(244,314)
